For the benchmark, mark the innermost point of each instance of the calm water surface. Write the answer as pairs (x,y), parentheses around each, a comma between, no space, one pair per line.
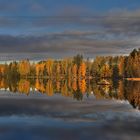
(50,110)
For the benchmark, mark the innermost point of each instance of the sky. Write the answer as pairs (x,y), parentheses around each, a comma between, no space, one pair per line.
(59,28)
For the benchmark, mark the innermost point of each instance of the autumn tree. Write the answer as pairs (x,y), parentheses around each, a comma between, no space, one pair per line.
(78,60)
(82,70)
(24,67)
(49,66)
(105,71)
(74,70)
(24,86)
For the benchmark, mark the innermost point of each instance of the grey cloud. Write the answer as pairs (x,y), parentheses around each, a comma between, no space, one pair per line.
(126,22)
(111,33)
(66,43)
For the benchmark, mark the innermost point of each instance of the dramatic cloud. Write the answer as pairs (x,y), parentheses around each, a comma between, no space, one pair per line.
(66,43)
(71,30)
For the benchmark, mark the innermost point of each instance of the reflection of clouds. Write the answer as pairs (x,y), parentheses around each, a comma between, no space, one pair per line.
(67,109)
(58,117)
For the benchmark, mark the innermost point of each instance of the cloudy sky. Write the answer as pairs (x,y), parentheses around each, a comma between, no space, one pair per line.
(59,28)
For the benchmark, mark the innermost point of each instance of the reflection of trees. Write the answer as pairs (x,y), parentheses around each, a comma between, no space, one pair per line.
(122,90)
(77,95)
(101,92)
(3,84)
(24,86)
(132,93)
(49,88)
(74,84)
(64,89)
(39,85)
(82,85)
(58,85)
(76,88)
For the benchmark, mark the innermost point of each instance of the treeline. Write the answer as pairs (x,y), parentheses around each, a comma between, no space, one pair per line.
(76,68)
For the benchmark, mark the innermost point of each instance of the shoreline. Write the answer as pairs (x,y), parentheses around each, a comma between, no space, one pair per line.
(133,79)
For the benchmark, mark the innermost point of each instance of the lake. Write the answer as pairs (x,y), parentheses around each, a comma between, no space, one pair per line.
(50,109)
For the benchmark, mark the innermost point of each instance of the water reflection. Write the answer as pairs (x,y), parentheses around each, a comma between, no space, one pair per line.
(76,88)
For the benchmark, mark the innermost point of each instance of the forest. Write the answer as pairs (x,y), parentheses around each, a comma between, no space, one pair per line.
(114,67)
(76,76)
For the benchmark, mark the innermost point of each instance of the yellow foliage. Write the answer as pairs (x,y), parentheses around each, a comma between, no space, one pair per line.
(74,85)
(82,85)
(39,86)
(82,70)
(24,86)
(24,67)
(2,69)
(74,70)
(49,88)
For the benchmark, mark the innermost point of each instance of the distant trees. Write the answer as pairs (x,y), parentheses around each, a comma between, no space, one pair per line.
(118,66)
(77,68)
(132,64)
(10,70)
(77,60)
(82,70)
(106,71)
(74,71)
(24,67)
